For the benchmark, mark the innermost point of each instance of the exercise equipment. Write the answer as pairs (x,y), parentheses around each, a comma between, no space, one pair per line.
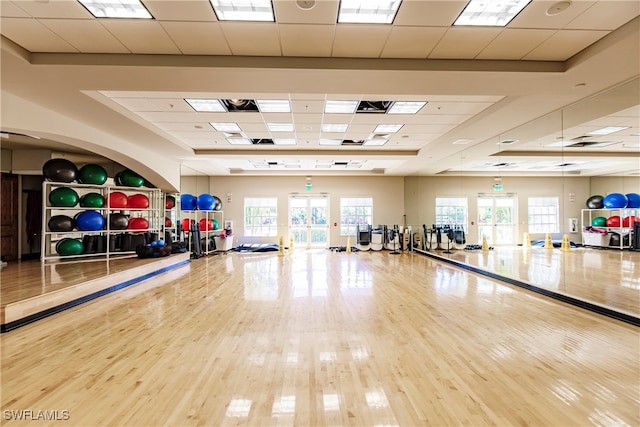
(92,200)
(393,237)
(129,178)
(218,204)
(60,170)
(206,224)
(629,220)
(63,197)
(60,223)
(633,200)
(169,202)
(613,221)
(68,246)
(615,201)
(167,222)
(599,221)
(363,237)
(92,174)
(196,246)
(138,224)
(118,221)
(216,224)
(89,221)
(205,202)
(138,201)
(187,202)
(595,202)
(118,199)
(185,224)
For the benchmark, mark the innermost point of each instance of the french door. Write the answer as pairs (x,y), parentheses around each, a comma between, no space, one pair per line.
(497,218)
(309,220)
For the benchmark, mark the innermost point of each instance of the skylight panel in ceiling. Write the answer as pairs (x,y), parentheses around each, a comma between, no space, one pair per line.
(206,105)
(116,9)
(243,10)
(340,107)
(406,107)
(368,11)
(490,13)
(274,105)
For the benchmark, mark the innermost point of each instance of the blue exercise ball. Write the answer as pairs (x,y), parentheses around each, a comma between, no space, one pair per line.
(187,202)
(90,221)
(633,200)
(615,201)
(206,202)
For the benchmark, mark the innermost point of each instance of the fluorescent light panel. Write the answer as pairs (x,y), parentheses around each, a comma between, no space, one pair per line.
(335,127)
(243,10)
(387,128)
(116,9)
(226,127)
(280,127)
(330,142)
(206,105)
(239,141)
(406,107)
(340,107)
(372,142)
(274,105)
(607,130)
(490,13)
(285,141)
(368,11)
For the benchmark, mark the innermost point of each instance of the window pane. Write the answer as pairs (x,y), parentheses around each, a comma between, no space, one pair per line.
(261,216)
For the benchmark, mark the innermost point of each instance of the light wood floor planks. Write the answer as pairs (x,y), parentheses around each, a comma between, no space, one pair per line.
(322,338)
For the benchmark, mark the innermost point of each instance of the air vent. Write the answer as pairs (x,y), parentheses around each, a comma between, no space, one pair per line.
(379,107)
(240,105)
(351,142)
(263,141)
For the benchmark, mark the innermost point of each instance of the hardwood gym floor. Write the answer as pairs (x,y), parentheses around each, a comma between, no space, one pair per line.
(322,338)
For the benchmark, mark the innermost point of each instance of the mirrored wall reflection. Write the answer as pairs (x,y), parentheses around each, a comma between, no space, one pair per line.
(522,201)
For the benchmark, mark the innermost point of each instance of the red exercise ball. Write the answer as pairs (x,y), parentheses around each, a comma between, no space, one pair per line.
(186,224)
(138,201)
(167,222)
(169,202)
(629,220)
(138,224)
(613,221)
(117,200)
(206,224)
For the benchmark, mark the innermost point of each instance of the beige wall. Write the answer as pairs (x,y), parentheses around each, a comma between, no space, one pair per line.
(420,194)
(387,193)
(5,160)
(604,185)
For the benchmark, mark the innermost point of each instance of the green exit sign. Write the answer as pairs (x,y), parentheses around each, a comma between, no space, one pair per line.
(497,187)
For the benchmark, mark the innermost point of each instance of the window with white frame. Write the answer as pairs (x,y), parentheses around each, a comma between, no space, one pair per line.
(544,215)
(354,212)
(260,216)
(452,211)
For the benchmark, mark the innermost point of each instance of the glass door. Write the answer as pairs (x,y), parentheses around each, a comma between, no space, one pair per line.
(497,219)
(308,221)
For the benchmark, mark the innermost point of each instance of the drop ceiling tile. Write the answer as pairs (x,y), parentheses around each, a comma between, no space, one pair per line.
(534,15)
(197,38)
(463,42)
(603,16)
(359,41)
(205,127)
(181,10)
(564,44)
(9,9)
(429,13)
(88,36)
(306,119)
(306,40)
(141,36)
(513,44)
(306,106)
(53,9)
(252,38)
(324,12)
(411,42)
(33,36)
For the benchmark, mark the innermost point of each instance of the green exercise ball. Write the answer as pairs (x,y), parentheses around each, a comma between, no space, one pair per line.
(92,200)
(599,221)
(63,197)
(67,246)
(92,174)
(129,178)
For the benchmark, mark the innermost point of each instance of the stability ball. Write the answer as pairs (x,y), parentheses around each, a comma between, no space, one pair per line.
(187,202)
(63,197)
(92,174)
(118,221)
(92,200)
(138,224)
(60,170)
(60,223)
(599,221)
(633,200)
(167,222)
(69,246)
(138,201)
(129,178)
(216,224)
(615,201)
(206,224)
(89,221)
(118,200)
(629,220)
(185,225)
(205,202)
(613,221)
(595,202)
(169,202)
(218,204)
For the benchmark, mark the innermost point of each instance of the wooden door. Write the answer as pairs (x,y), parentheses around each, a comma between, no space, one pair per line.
(9,217)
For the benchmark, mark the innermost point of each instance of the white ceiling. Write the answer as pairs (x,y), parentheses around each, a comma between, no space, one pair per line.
(482,85)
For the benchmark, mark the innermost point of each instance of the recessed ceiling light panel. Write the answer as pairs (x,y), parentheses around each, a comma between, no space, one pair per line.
(406,107)
(607,130)
(239,141)
(284,141)
(368,11)
(116,9)
(330,142)
(387,128)
(274,105)
(280,127)
(334,127)
(243,10)
(206,105)
(340,107)
(490,13)
(377,141)
(226,127)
